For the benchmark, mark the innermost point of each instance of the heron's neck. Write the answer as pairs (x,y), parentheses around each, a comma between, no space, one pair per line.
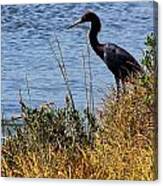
(93,36)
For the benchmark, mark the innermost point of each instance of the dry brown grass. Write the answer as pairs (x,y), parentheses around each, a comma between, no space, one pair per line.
(125,146)
(128,138)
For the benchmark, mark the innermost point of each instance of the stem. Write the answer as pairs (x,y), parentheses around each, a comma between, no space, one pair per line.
(63,70)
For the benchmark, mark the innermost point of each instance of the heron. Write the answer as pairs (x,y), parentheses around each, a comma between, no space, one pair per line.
(118,60)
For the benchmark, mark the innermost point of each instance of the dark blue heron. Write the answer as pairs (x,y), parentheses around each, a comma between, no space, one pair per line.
(120,62)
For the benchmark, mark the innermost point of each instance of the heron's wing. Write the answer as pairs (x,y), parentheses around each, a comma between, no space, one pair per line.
(127,60)
(122,58)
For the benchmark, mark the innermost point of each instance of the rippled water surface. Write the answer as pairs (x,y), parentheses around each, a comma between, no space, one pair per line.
(26,54)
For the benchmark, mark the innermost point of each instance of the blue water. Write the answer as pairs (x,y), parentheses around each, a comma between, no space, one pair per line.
(26,31)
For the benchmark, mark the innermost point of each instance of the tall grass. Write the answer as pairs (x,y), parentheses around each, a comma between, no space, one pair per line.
(55,144)
(61,64)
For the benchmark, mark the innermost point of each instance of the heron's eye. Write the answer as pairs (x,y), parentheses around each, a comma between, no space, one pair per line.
(84,18)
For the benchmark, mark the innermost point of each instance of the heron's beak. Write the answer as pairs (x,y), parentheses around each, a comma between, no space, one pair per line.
(75,23)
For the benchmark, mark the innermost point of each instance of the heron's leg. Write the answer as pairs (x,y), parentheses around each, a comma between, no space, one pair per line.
(123,86)
(118,86)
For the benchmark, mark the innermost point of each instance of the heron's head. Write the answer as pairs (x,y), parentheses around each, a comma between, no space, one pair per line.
(89,16)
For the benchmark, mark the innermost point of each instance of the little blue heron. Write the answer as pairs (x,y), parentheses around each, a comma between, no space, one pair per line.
(120,62)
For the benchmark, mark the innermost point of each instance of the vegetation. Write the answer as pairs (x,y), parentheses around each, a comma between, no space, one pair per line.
(119,143)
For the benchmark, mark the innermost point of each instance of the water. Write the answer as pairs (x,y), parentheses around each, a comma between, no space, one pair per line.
(26,54)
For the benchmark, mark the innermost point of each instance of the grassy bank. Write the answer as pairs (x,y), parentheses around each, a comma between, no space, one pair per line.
(119,142)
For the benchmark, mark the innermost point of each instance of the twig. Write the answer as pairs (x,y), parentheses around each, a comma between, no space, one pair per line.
(85,81)
(28,90)
(91,96)
(62,69)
